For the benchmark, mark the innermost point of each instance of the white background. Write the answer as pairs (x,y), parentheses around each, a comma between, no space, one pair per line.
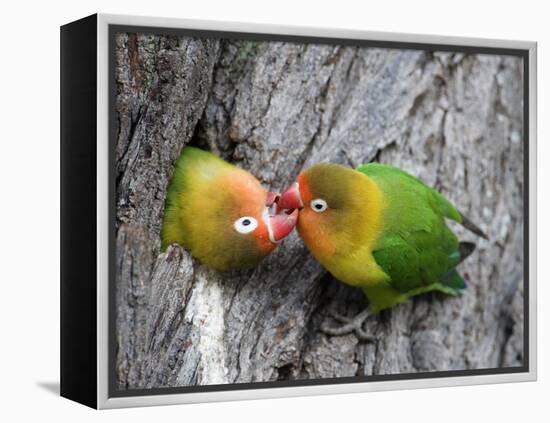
(29,175)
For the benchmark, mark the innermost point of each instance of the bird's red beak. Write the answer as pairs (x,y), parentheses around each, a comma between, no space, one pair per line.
(291,198)
(281,224)
(272,198)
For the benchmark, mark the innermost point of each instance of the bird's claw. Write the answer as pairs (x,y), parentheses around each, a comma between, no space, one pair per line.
(354,324)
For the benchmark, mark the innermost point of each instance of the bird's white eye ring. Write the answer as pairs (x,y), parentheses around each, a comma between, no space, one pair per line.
(318,205)
(245,224)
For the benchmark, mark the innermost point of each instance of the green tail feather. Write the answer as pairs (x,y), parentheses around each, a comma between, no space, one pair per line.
(453,281)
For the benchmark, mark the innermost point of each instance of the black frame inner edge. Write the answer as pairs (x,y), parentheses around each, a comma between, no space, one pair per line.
(115,29)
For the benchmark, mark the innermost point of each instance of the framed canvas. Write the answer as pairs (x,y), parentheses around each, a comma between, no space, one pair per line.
(190,151)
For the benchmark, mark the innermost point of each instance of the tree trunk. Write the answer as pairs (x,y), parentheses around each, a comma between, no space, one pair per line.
(454,120)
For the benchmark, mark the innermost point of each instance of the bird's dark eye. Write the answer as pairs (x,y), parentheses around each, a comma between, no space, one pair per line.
(245,224)
(318,205)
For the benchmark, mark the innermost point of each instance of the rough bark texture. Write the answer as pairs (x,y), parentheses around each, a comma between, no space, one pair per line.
(454,120)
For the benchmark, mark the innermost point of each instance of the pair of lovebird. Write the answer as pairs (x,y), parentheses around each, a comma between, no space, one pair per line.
(375,227)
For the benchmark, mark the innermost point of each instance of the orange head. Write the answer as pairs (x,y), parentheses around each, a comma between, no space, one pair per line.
(221,213)
(335,205)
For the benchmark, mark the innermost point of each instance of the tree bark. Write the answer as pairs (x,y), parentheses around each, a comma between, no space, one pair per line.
(454,120)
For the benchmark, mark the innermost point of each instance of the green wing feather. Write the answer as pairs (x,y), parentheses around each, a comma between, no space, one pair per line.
(416,249)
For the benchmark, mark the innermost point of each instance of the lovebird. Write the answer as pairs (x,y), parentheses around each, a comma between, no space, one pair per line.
(380,229)
(220,213)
